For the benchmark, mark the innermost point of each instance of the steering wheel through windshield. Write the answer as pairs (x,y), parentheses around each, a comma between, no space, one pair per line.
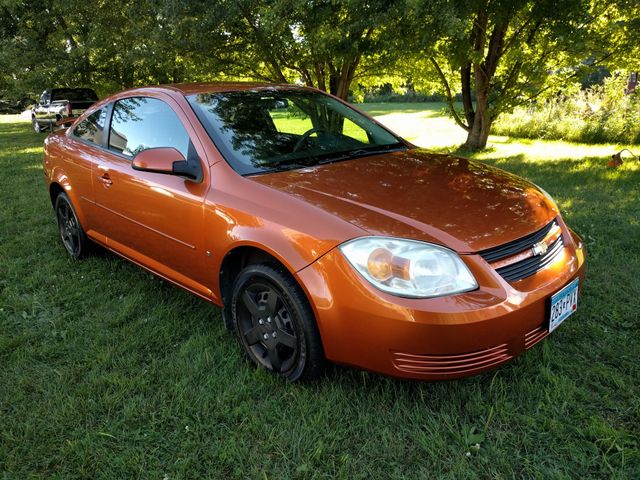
(306,135)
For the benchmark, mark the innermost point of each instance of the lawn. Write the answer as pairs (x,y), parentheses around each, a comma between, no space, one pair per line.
(109,372)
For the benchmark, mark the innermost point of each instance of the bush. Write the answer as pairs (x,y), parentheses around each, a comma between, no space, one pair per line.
(600,114)
(408,97)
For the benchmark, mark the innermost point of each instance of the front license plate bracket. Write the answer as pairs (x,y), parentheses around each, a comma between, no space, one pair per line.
(563,304)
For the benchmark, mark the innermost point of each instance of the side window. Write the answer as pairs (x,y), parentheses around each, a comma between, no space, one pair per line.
(139,123)
(91,128)
(44,99)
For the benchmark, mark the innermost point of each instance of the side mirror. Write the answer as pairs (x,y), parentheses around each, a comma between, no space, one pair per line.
(167,161)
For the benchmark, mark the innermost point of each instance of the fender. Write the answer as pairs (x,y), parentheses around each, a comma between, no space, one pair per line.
(266,219)
(56,170)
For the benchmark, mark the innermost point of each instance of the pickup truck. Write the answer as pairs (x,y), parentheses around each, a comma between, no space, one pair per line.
(59,103)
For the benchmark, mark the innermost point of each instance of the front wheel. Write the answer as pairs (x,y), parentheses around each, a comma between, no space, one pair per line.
(72,235)
(36,126)
(275,323)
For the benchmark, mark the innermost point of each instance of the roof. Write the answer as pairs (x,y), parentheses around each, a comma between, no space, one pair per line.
(212,87)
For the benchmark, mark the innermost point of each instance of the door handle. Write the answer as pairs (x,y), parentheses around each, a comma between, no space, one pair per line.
(105,179)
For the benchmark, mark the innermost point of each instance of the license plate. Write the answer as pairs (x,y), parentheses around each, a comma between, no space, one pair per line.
(77,112)
(563,304)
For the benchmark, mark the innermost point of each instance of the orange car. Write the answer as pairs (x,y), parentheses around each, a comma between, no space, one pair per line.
(321,234)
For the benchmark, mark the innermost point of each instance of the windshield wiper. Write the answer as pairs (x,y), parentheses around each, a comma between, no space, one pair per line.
(362,152)
(313,160)
(291,164)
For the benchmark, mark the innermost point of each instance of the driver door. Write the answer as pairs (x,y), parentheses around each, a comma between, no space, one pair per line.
(152,218)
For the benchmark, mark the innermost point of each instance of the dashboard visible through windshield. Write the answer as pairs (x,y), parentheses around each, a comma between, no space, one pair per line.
(272,130)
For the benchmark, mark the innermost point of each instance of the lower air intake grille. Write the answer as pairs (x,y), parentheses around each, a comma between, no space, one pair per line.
(534,336)
(436,365)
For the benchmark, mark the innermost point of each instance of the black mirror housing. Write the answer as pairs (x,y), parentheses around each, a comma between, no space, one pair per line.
(189,170)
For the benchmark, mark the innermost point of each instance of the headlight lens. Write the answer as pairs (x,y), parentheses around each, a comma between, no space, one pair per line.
(409,268)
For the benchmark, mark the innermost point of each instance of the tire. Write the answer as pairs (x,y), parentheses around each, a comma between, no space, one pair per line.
(275,323)
(73,238)
(36,126)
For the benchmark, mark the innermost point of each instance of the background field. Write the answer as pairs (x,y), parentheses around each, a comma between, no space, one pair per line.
(109,372)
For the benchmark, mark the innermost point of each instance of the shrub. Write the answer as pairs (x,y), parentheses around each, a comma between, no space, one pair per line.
(600,114)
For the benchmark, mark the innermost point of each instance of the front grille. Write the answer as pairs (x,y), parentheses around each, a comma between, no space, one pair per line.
(528,266)
(503,251)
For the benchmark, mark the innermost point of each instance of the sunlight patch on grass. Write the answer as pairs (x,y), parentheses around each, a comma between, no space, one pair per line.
(547,150)
(18,118)
(28,150)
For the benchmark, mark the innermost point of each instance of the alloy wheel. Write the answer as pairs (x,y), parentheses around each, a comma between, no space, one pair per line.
(69,228)
(266,326)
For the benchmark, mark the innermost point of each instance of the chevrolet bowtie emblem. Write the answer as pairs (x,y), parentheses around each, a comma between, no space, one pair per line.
(539,248)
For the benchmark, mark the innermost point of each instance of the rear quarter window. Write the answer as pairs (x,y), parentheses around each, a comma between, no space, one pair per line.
(91,129)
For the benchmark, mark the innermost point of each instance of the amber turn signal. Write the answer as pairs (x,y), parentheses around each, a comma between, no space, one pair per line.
(380,265)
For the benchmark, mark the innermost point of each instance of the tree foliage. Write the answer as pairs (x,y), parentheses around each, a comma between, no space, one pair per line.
(121,43)
(501,53)
(497,53)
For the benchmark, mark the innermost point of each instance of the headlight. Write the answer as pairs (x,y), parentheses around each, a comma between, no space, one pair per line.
(409,268)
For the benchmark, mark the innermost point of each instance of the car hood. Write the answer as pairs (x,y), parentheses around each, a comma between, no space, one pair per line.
(463,204)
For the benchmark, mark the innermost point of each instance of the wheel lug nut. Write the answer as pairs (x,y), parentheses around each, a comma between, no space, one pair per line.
(269,319)
(261,322)
(265,336)
(273,334)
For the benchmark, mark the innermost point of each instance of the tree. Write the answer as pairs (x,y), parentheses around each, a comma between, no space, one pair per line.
(500,53)
(324,44)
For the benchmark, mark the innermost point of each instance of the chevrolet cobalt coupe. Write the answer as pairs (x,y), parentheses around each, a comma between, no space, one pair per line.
(321,234)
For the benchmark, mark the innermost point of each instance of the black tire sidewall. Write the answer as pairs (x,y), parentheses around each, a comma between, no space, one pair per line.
(63,197)
(310,360)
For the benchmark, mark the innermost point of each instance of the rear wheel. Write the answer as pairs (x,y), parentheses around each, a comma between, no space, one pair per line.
(72,235)
(275,323)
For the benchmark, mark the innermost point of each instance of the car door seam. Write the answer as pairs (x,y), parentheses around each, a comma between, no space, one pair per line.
(147,227)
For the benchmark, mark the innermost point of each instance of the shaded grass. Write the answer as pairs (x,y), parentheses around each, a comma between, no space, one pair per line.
(108,372)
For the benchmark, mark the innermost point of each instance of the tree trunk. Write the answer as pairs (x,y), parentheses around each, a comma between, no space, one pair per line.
(482,75)
(467,103)
(479,133)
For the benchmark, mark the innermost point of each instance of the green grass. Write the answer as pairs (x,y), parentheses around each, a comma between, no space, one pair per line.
(109,372)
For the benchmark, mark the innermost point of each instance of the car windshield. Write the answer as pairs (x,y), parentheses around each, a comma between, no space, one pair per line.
(275,129)
(75,94)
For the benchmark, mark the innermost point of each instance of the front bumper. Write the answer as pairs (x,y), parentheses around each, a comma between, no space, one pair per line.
(438,338)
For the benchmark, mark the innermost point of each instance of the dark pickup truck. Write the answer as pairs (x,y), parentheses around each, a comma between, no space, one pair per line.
(59,103)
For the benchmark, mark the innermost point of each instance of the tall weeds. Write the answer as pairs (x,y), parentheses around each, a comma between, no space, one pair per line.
(600,114)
